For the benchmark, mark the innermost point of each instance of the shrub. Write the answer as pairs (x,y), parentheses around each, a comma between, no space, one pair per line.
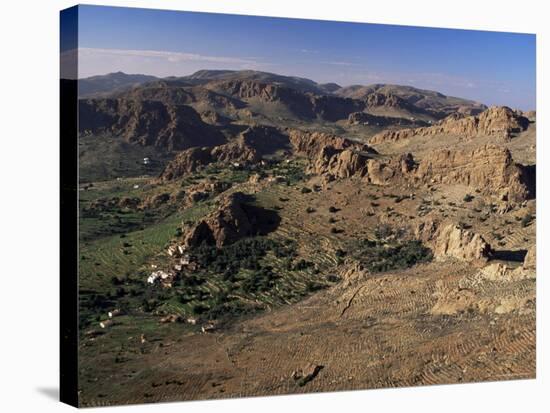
(302,265)
(378,256)
(305,190)
(526,220)
(199,309)
(468,198)
(333,278)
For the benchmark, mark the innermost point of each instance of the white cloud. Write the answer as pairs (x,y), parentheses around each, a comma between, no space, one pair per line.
(338,63)
(159,54)
(93,61)
(309,51)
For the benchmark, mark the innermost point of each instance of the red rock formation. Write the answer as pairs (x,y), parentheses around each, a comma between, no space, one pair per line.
(174,127)
(489,169)
(500,122)
(224,226)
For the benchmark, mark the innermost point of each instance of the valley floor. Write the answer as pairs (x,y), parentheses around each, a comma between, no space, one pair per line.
(435,323)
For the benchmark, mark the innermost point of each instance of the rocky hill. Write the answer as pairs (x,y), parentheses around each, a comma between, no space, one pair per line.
(147,122)
(105,84)
(235,218)
(489,169)
(500,122)
(223,90)
(425,99)
(178,92)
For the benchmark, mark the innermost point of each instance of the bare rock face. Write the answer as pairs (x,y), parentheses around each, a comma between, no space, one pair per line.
(249,147)
(226,225)
(310,144)
(453,241)
(388,100)
(252,144)
(201,191)
(395,170)
(156,201)
(340,164)
(500,122)
(147,122)
(426,230)
(236,151)
(199,234)
(530,261)
(531,115)
(489,169)
(186,162)
(330,154)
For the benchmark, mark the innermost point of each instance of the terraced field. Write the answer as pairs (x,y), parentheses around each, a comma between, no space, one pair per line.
(368,332)
(398,328)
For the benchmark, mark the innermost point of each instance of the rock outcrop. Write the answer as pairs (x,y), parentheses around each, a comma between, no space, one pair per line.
(530,260)
(394,170)
(309,144)
(186,162)
(388,100)
(489,169)
(229,223)
(249,147)
(147,122)
(302,104)
(499,121)
(340,164)
(331,154)
(252,145)
(453,241)
(235,218)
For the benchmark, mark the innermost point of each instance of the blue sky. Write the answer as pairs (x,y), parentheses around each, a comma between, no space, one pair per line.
(491,67)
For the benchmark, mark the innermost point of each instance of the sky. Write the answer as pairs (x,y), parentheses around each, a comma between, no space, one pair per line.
(494,68)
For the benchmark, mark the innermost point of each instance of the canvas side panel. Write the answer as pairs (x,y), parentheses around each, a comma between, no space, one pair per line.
(69,206)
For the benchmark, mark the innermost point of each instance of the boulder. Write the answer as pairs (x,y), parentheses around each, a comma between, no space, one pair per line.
(453,241)
(341,164)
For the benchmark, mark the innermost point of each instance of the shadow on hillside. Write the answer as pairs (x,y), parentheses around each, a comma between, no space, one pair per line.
(263,220)
(510,255)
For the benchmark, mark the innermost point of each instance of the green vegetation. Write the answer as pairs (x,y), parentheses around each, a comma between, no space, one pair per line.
(391,250)
(526,220)
(377,256)
(104,158)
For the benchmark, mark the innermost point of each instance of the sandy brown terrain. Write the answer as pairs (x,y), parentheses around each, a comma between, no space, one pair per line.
(443,322)
(317,242)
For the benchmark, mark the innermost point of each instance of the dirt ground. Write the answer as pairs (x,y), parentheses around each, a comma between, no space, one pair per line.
(435,323)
